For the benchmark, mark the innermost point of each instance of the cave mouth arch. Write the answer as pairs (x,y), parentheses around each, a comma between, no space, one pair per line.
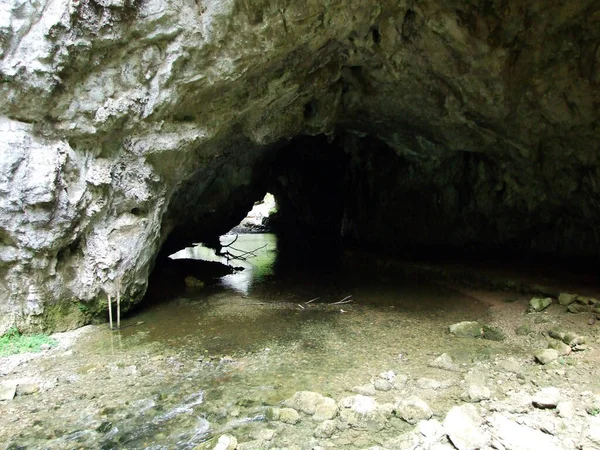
(355,190)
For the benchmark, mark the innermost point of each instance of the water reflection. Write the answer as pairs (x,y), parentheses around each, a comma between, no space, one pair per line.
(254,253)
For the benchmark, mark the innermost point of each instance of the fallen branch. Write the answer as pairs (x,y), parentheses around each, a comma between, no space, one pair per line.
(344,301)
(310,301)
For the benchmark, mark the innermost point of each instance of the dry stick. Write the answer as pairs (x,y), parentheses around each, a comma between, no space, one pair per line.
(110,312)
(301,307)
(310,301)
(118,309)
(344,301)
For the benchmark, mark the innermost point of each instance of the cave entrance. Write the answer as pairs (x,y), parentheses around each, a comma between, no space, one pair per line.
(249,250)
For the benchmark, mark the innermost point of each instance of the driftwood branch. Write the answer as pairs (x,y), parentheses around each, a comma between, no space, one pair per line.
(344,301)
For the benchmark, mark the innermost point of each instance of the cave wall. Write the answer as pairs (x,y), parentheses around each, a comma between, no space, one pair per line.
(125,123)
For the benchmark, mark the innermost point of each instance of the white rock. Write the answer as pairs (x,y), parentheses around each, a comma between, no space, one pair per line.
(520,437)
(462,426)
(546,398)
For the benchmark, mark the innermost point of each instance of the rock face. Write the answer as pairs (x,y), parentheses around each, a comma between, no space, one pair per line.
(132,127)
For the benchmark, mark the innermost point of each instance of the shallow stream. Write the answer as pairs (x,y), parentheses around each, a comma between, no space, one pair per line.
(199,361)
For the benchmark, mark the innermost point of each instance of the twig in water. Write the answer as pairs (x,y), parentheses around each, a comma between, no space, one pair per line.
(310,301)
(344,301)
(110,312)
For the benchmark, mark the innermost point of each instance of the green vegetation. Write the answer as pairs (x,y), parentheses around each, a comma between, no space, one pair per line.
(13,342)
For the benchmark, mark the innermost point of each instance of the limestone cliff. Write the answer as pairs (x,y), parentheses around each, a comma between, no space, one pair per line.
(132,124)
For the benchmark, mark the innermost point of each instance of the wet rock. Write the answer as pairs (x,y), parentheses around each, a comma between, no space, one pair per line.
(537,304)
(546,356)
(7,392)
(413,409)
(327,409)
(27,388)
(566,299)
(326,429)
(514,436)
(546,398)
(577,308)
(445,362)
(289,416)
(462,427)
(467,329)
(272,414)
(304,401)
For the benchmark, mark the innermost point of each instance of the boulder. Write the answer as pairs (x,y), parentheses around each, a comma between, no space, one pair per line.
(289,416)
(546,356)
(413,409)
(467,329)
(566,299)
(537,304)
(462,426)
(546,398)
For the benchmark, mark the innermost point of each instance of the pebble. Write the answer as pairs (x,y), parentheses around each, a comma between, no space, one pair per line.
(428,384)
